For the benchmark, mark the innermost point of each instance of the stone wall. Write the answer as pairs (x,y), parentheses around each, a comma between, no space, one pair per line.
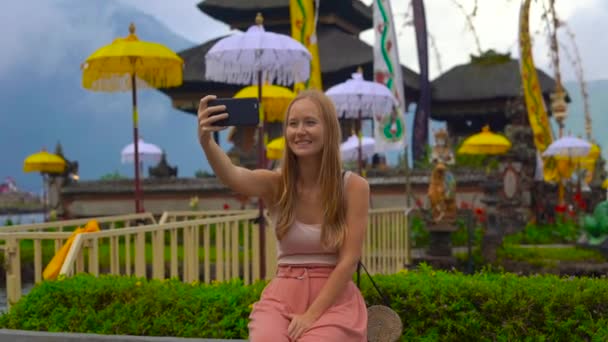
(101,198)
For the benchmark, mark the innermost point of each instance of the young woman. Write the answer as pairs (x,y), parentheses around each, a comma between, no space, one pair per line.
(320,217)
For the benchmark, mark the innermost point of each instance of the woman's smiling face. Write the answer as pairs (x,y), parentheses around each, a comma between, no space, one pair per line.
(304,132)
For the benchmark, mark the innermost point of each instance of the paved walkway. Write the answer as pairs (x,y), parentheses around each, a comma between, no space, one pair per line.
(7,335)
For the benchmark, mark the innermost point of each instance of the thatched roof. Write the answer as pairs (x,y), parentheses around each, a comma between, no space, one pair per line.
(240,13)
(482,89)
(479,81)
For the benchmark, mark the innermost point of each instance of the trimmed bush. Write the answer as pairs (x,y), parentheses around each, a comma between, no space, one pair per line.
(132,306)
(433,305)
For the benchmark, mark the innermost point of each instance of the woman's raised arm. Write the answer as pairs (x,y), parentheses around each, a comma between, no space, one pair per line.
(256,183)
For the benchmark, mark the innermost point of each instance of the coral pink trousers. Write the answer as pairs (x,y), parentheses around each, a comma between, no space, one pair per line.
(292,291)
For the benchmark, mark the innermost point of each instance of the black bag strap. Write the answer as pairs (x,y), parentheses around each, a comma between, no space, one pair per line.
(382,296)
(360,265)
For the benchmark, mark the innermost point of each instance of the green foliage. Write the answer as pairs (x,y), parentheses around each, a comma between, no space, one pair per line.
(596,225)
(549,256)
(419,235)
(433,305)
(203,174)
(475,161)
(562,231)
(131,306)
(460,236)
(8,222)
(436,305)
(425,162)
(113,176)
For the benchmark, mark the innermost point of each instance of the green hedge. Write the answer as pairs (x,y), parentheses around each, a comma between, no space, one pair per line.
(434,305)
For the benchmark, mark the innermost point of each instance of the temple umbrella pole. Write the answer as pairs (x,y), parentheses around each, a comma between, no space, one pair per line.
(138,207)
(44,194)
(359,149)
(262,164)
(408,193)
(359,166)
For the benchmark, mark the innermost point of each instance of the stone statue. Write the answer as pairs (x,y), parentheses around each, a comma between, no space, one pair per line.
(441,193)
(442,185)
(442,151)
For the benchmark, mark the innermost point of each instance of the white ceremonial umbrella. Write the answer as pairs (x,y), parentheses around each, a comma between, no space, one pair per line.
(257,56)
(149,153)
(349,150)
(568,147)
(242,57)
(358,98)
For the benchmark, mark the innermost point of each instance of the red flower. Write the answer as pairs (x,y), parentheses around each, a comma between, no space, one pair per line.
(561,208)
(226,206)
(583,205)
(481,214)
(578,198)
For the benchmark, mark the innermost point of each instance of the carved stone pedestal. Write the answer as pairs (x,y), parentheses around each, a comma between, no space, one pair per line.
(440,244)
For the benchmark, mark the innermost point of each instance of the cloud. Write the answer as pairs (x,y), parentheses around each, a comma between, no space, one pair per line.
(496,24)
(588,24)
(44,41)
(183,17)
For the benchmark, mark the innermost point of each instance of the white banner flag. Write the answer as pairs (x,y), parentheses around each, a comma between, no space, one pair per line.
(389,129)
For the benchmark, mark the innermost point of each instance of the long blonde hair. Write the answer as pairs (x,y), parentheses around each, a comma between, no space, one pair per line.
(333,228)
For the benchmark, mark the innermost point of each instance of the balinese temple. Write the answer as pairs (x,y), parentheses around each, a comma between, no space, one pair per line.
(341,53)
(482,92)
(488,91)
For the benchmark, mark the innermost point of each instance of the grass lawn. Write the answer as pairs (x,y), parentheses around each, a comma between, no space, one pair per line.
(546,256)
(48,251)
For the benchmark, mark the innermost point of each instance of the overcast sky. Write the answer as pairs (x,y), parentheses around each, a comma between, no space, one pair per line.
(496,24)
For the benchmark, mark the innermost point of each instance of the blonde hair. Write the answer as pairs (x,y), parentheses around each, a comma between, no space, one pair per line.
(333,228)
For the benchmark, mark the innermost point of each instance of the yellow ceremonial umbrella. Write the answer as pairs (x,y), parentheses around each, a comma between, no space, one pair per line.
(485,142)
(275,100)
(274,149)
(128,63)
(44,162)
(605,184)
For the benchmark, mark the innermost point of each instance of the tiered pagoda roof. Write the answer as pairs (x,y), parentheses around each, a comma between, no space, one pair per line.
(341,52)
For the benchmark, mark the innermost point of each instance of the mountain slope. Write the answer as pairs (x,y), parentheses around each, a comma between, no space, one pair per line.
(43,102)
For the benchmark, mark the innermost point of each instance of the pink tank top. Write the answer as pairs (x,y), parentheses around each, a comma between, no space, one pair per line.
(302,244)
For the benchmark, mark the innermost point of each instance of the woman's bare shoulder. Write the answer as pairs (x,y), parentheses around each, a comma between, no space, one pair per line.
(356,185)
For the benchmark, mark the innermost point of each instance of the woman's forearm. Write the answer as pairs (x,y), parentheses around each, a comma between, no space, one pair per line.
(219,161)
(335,285)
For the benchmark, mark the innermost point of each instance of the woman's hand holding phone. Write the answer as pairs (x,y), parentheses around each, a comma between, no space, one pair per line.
(207,117)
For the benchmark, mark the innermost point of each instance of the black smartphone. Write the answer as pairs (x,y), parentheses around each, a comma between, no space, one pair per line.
(241,112)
